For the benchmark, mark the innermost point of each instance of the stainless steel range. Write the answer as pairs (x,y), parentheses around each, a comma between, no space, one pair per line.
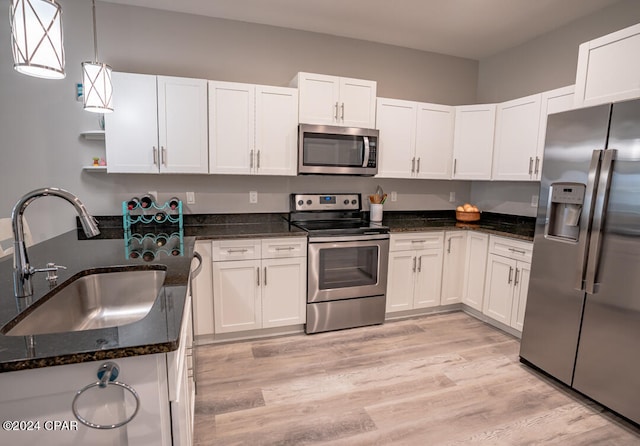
(347,261)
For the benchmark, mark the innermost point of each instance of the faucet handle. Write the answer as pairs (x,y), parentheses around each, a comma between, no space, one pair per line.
(52,272)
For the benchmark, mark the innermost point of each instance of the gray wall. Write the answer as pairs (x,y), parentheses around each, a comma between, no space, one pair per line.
(41,120)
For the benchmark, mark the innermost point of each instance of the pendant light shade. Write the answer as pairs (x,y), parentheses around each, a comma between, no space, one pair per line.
(97,89)
(36,38)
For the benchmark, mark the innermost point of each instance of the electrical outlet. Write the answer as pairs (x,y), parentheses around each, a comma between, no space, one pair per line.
(394,196)
(534,201)
(253,196)
(452,197)
(191,198)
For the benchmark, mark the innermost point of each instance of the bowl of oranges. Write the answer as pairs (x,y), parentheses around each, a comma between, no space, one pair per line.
(467,212)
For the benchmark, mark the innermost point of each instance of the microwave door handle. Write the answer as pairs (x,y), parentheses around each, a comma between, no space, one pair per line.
(365,162)
(599,209)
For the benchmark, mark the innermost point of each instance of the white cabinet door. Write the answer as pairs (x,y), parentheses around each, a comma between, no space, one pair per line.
(131,131)
(455,245)
(231,127)
(276,130)
(553,101)
(609,68)
(521,284)
(396,121)
(182,125)
(498,291)
(428,278)
(516,139)
(434,141)
(237,300)
(400,280)
(284,286)
(319,99)
(202,289)
(357,103)
(473,142)
(475,269)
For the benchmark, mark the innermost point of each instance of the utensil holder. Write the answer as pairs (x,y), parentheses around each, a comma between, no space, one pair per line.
(375,212)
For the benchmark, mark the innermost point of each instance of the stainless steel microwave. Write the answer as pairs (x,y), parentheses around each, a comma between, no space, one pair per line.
(325,149)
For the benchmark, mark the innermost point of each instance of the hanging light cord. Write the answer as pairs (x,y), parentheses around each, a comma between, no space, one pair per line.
(95,33)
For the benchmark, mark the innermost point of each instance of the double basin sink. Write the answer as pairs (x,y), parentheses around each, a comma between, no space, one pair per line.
(96,298)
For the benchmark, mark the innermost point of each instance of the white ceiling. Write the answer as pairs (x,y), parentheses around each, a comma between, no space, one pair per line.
(465,28)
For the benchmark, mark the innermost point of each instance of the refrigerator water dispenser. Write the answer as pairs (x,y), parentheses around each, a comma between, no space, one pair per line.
(565,207)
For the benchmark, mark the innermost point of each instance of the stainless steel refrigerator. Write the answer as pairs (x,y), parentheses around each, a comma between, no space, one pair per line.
(582,321)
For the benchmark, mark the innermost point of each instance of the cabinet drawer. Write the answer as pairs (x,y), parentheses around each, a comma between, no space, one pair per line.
(284,247)
(237,249)
(513,249)
(416,240)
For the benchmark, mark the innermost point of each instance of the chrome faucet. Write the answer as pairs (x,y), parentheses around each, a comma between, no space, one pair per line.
(22,270)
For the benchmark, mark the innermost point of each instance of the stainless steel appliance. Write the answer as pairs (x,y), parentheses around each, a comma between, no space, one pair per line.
(347,261)
(582,321)
(325,149)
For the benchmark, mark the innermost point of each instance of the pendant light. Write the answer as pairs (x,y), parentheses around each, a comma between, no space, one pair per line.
(36,38)
(97,89)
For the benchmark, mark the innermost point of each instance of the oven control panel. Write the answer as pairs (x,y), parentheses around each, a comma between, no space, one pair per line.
(325,202)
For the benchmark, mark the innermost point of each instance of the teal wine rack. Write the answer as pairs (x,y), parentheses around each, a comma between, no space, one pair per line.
(152,232)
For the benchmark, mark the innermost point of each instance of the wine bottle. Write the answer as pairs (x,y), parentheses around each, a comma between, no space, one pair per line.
(174,203)
(147,201)
(134,253)
(133,203)
(162,239)
(160,217)
(148,256)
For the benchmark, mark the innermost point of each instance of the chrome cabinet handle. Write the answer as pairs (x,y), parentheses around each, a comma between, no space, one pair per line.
(265,276)
(530,165)
(414,264)
(258,275)
(536,170)
(418,168)
(251,160)
(589,199)
(413,164)
(288,248)
(163,156)
(455,165)
(258,160)
(599,209)
(418,241)
(231,251)
(342,111)
(515,281)
(449,247)
(336,112)
(155,156)
(510,275)
(419,264)
(519,251)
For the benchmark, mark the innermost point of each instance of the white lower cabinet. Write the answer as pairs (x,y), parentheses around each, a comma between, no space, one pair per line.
(164,384)
(258,283)
(474,269)
(455,245)
(415,271)
(507,281)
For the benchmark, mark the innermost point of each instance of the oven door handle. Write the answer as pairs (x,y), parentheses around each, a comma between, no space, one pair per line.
(349,238)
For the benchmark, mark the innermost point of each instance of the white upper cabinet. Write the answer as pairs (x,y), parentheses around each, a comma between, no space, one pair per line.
(473,142)
(553,101)
(252,129)
(159,125)
(333,100)
(609,68)
(416,139)
(516,139)
(396,121)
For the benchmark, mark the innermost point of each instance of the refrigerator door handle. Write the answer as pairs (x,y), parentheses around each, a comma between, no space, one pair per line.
(586,217)
(600,207)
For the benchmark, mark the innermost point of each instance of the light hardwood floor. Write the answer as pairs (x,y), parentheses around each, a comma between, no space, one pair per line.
(445,379)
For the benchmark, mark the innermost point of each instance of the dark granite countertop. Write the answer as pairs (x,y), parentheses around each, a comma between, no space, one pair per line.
(512,226)
(159,331)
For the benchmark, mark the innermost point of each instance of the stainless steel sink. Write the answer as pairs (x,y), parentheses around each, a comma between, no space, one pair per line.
(98,298)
